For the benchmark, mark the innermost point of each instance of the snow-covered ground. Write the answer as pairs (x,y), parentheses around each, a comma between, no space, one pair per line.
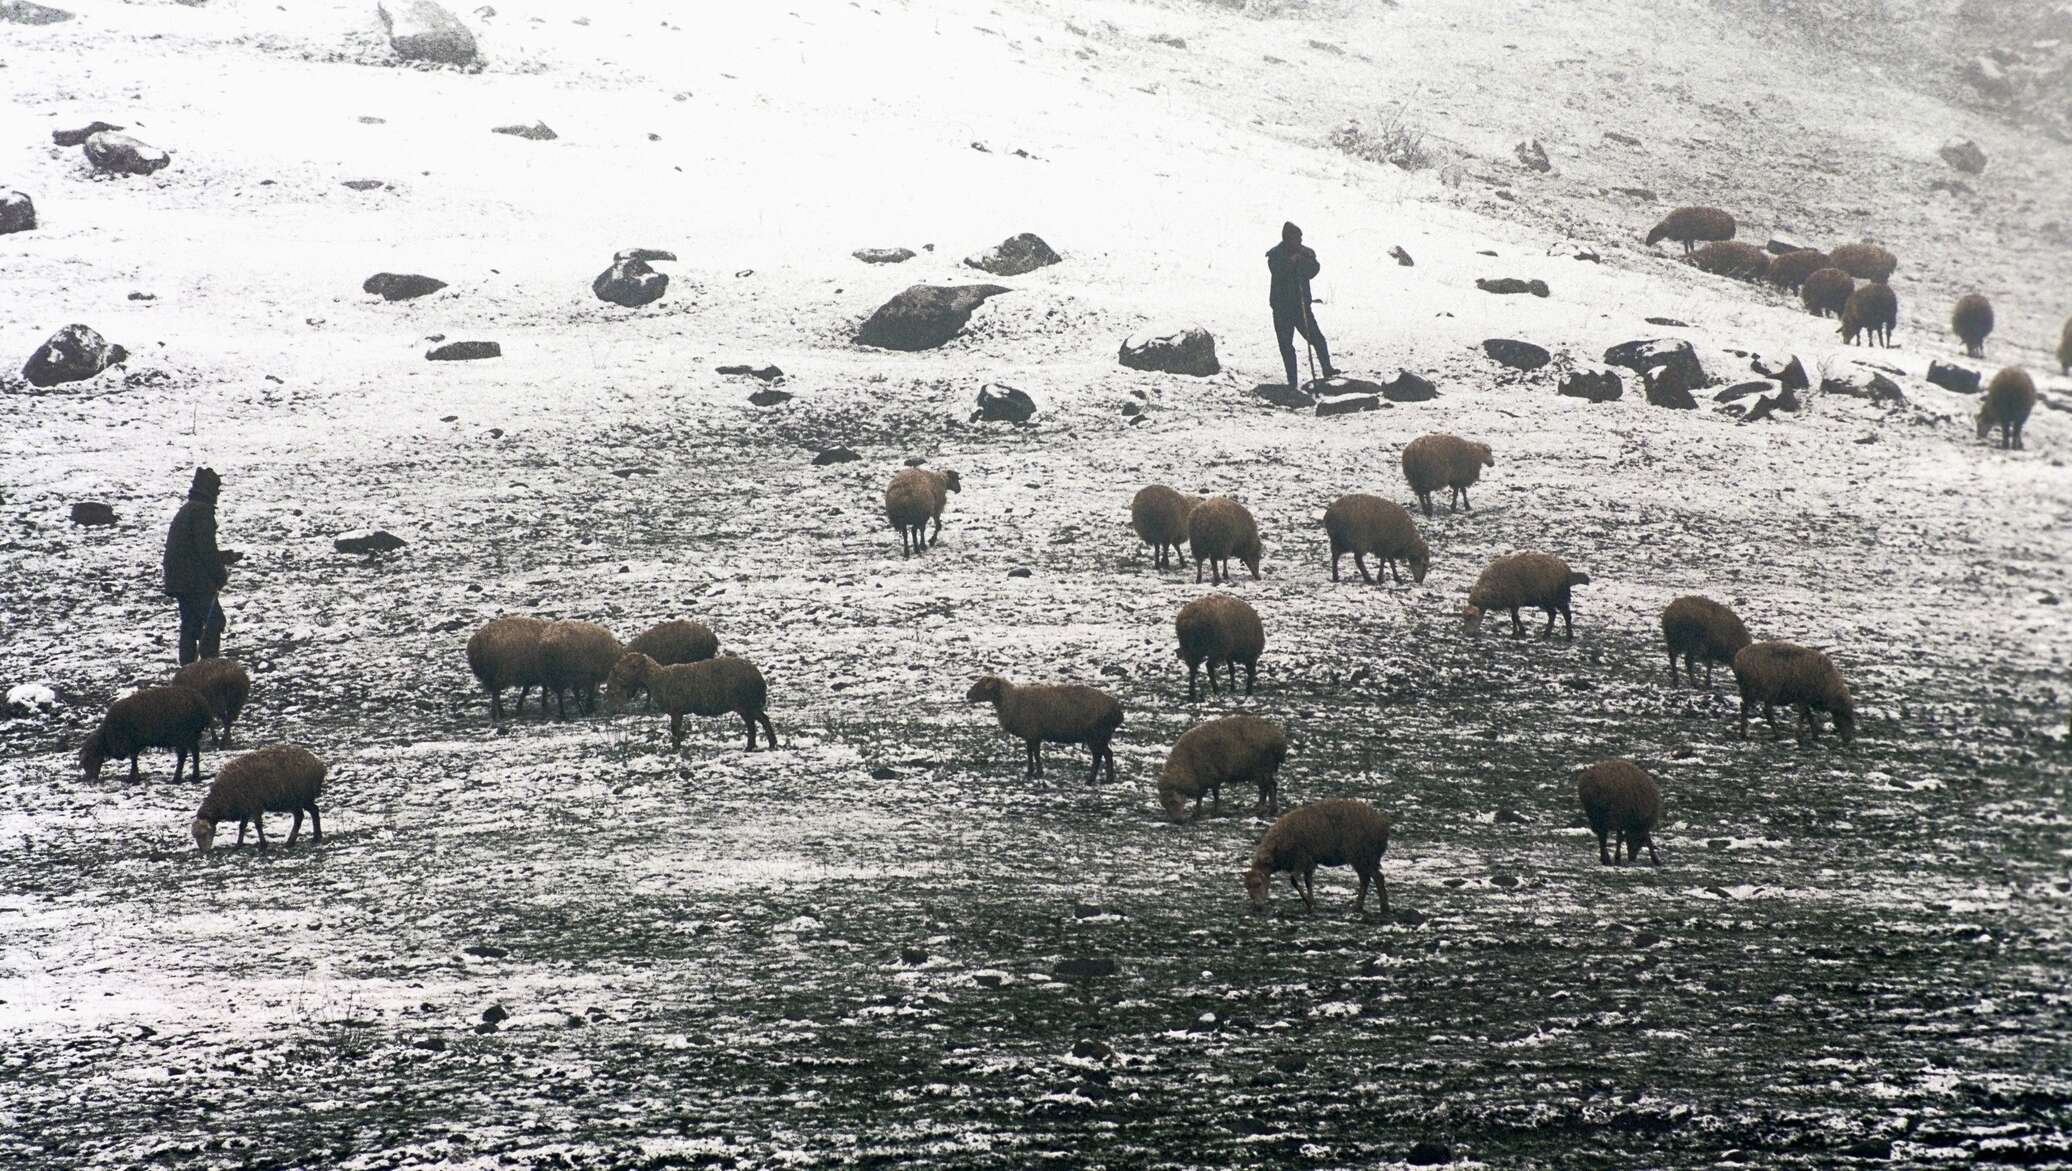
(848,952)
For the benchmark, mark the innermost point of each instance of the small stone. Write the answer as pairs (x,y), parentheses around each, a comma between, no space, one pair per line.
(1791,375)
(487,952)
(1665,387)
(882,773)
(464,352)
(1088,1049)
(884,255)
(1646,939)
(1592,384)
(378,541)
(1988,78)
(912,956)
(769,397)
(1511,285)
(1668,322)
(1402,257)
(78,136)
(1407,387)
(635,470)
(1952,377)
(1516,354)
(765,373)
(137,296)
(119,154)
(486,1027)
(629,283)
(1350,396)
(364,184)
(536,132)
(1014,256)
(495,1014)
(1086,968)
(835,455)
(1505,815)
(1429,1154)
(1742,390)
(1533,156)
(92,514)
(17,212)
(1280,394)
(1020,571)
(401,286)
(999,403)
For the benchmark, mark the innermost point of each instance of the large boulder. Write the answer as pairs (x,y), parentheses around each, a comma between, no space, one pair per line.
(630,281)
(377,541)
(77,135)
(1592,384)
(1792,374)
(1858,381)
(419,30)
(1280,394)
(1516,354)
(1953,377)
(1014,256)
(469,351)
(27,12)
(73,353)
(1003,404)
(1963,154)
(1406,387)
(924,316)
(1667,387)
(1673,354)
(1185,350)
(17,212)
(92,514)
(119,154)
(401,286)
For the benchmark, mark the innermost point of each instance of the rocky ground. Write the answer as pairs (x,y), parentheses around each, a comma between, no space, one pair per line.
(562,944)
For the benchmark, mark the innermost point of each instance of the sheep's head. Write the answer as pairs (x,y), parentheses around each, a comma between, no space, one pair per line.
(92,755)
(950,481)
(1471,617)
(1844,712)
(1419,563)
(988,689)
(204,833)
(1488,459)
(629,675)
(1985,422)
(1250,555)
(1255,886)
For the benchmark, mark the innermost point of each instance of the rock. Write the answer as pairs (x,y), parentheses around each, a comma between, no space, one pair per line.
(1014,256)
(1741,390)
(1963,154)
(1085,967)
(835,455)
(1667,387)
(630,282)
(909,956)
(17,212)
(1858,382)
(1779,246)
(1533,156)
(1188,350)
(1508,285)
(1406,387)
(73,353)
(1168,39)
(1280,394)
(1516,354)
(1402,257)
(119,154)
(1669,323)
(1986,76)
(1022,571)
(764,374)
(998,403)
(29,699)
(1792,375)
(1346,401)
(924,316)
(1593,384)
(884,255)
(1952,186)
(1429,1154)
(537,132)
(92,514)
(487,952)
(1643,356)
(1088,1049)
(364,184)
(1505,815)
(378,541)
(401,286)
(495,1014)
(463,352)
(1953,377)
(419,30)
(26,12)
(79,135)
(769,397)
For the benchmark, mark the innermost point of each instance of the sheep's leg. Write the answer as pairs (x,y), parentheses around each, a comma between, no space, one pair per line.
(1770,718)
(1034,749)
(750,721)
(1811,721)
(1094,777)
(1652,859)
(496,705)
(1424,500)
(1366,880)
(135,776)
(1197,569)
(1108,751)
(1604,857)
(1232,665)
(1193,672)
(259,827)
(1213,689)
(676,730)
(1336,553)
(1360,562)
(1672,667)
(1251,675)
(295,831)
(1549,631)
(1393,575)
(242,823)
(1295,880)
(769,732)
(1309,888)
(1517,624)
(1568,623)
(1747,705)
(935,538)
(1618,844)
(1381,886)
(1708,671)
(179,763)
(1464,499)
(316,824)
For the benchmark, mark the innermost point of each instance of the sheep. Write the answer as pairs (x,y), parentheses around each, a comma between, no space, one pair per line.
(913,498)
(1234,750)
(1742,262)
(1623,806)
(574,658)
(1218,529)
(1790,270)
(711,687)
(669,643)
(1697,627)
(224,683)
(1040,714)
(1687,225)
(2065,349)
(284,778)
(505,652)
(1432,460)
(1826,292)
(1972,322)
(1220,630)
(1871,312)
(154,717)
(1770,673)
(1361,524)
(1867,262)
(1524,579)
(1322,833)
(2009,399)
(1159,515)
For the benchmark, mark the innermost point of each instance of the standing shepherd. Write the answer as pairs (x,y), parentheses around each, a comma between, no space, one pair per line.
(194,569)
(1292,265)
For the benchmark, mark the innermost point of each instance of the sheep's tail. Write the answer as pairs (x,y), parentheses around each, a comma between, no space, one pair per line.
(1576,579)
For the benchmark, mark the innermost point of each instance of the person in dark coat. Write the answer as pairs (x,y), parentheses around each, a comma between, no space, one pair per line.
(1292,266)
(194,569)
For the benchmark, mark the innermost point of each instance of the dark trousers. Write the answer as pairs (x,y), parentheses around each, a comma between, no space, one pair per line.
(1288,320)
(201,626)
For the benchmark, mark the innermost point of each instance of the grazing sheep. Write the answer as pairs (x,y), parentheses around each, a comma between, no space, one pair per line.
(1159,515)
(574,658)
(1040,714)
(1771,673)
(1221,631)
(284,778)
(1790,270)
(1688,225)
(1872,310)
(506,653)
(1218,529)
(1322,833)
(1360,524)
(1865,262)
(2065,349)
(1696,627)
(1740,261)
(1430,461)
(1524,579)
(2009,399)
(1623,805)
(156,717)
(1972,322)
(913,498)
(1234,750)
(668,643)
(1826,292)
(712,687)
(224,683)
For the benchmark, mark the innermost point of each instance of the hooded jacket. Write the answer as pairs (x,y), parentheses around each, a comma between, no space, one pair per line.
(1292,265)
(193,564)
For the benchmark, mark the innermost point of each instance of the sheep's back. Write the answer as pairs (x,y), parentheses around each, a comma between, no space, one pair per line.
(1220,627)
(1230,750)
(1361,523)
(1521,579)
(577,654)
(1779,672)
(1619,794)
(1732,258)
(712,687)
(277,779)
(1867,262)
(223,682)
(1442,461)
(2011,396)
(1695,223)
(1694,623)
(910,498)
(155,717)
(1059,712)
(1872,306)
(1972,318)
(1827,290)
(1336,832)
(676,641)
(1790,270)
(505,652)
(1159,514)
(1220,527)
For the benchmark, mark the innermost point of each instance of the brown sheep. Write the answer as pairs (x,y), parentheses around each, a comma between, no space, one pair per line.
(1732,258)
(1220,630)
(1322,833)
(1770,673)
(1790,270)
(709,687)
(2009,399)
(1696,627)
(1539,580)
(1871,313)
(155,717)
(1972,322)
(224,683)
(1159,515)
(2065,349)
(505,652)
(1687,225)
(1623,806)
(1218,529)
(1040,714)
(1865,262)
(1234,750)
(574,658)
(1826,292)
(1434,461)
(1360,524)
(282,779)
(667,643)
(913,498)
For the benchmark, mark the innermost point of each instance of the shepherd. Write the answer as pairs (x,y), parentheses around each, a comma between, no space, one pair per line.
(194,569)
(1292,266)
